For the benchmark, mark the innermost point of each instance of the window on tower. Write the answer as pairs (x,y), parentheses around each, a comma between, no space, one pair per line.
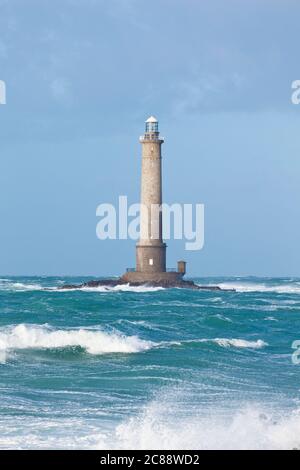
(151,126)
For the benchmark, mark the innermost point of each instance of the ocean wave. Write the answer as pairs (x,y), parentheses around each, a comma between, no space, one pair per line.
(252,287)
(9,285)
(223,318)
(166,423)
(159,425)
(240,343)
(118,288)
(92,341)
(223,342)
(248,427)
(122,288)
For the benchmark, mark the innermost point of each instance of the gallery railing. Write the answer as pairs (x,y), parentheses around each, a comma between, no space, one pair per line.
(169,270)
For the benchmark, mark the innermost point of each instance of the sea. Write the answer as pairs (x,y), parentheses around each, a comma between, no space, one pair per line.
(149,368)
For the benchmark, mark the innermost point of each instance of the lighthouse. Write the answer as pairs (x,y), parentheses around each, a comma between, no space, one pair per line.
(151,249)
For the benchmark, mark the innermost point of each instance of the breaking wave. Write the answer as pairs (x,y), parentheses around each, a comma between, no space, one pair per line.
(118,288)
(227,342)
(252,287)
(240,343)
(9,285)
(92,341)
(122,288)
(95,342)
(252,426)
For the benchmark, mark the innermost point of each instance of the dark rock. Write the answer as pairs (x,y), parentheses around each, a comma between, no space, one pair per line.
(165,284)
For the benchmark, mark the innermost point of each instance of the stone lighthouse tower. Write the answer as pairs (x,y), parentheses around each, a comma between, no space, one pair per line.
(151,249)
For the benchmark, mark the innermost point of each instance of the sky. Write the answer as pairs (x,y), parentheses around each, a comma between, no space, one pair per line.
(82,76)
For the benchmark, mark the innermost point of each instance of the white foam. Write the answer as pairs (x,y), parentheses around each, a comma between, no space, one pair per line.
(254,287)
(93,341)
(160,426)
(8,285)
(122,288)
(118,288)
(225,342)
(222,317)
(249,427)
(164,423)
(240,343)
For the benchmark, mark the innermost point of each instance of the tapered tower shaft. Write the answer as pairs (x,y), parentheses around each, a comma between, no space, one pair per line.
(151,250)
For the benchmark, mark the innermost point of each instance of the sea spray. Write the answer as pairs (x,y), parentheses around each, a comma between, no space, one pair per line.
(261,287)
(251,426)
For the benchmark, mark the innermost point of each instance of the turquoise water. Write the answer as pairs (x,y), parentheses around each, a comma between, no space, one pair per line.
(148,368)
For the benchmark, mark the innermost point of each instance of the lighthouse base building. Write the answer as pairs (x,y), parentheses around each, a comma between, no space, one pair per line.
(163,278)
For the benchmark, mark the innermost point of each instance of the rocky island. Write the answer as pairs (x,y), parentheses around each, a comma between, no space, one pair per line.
(166,284)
